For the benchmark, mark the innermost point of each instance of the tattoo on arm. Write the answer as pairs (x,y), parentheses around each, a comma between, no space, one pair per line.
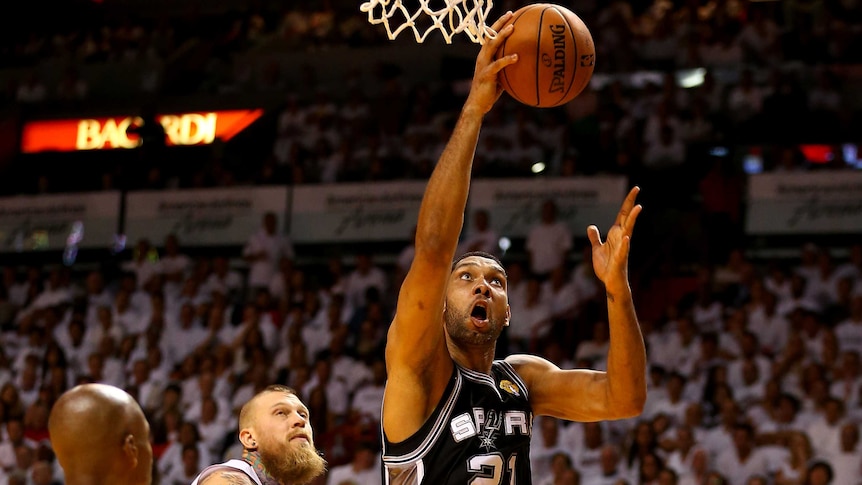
(229,478)
(610,297)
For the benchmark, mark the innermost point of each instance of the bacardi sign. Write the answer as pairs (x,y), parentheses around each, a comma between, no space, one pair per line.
(199,128)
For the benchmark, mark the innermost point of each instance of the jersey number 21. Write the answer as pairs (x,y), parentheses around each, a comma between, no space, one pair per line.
(488,469)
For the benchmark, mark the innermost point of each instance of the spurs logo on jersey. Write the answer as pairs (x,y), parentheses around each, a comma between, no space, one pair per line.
(479,433)
(466,425)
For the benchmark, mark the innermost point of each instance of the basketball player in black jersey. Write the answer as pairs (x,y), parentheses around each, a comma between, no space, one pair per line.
(451,413)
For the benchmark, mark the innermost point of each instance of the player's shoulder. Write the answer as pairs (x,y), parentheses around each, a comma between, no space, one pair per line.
(529,367)
(227,476)
(527,361)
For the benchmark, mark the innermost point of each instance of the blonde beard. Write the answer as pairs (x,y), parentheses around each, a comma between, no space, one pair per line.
(292,464)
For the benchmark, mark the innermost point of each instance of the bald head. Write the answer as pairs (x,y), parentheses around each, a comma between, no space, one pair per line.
(100,435)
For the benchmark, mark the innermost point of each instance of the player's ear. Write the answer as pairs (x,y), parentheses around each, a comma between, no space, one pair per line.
(247,439)
(130,450)
(508,316)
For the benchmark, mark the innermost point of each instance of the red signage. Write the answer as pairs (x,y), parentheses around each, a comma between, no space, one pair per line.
(106,133)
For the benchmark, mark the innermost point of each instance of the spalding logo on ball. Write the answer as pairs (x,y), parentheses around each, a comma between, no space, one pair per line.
(556,56)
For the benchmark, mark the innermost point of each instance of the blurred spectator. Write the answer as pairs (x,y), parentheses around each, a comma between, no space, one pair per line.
(548,241)
(819,473)
(189,470)
(562,472)
(547,442)
(366,275)
(263,251)
(144,262)
(744,458)
(587,454)
(480,236)
(792,470)
(225,280)
(368,397)
(42,473)
(172,461)
(531,314)
(173,264)
(666,152)
(845,464)
(72,87)
(31,90)
(363,469)
(759,37)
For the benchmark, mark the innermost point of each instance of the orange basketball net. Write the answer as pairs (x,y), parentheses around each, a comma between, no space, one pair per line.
(457,16)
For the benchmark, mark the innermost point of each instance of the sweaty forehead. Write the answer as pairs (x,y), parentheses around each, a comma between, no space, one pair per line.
(479,262)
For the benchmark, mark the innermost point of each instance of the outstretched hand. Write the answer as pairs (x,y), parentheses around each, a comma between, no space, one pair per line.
(610,258)
(485,89)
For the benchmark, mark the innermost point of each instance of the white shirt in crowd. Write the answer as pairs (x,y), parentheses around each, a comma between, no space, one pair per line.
(548,245)
(275,246)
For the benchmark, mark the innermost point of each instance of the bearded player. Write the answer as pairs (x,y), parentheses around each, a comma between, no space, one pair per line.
(277,442)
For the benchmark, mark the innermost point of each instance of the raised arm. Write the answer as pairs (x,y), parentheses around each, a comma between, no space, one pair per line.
(586,395)
(417,361)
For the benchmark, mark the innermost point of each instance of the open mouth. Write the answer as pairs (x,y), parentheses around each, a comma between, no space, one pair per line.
(479,313)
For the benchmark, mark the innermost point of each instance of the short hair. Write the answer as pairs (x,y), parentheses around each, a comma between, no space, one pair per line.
(674,374)
(658,369)
(744,426)
(711,337)
(834,399)
(480,254)
(674,475)
(565,456)
(825,466)
(278,388)
(794,402)
(245,412)
(757,479)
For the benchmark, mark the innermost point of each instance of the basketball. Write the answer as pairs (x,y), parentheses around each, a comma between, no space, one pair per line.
(556,56)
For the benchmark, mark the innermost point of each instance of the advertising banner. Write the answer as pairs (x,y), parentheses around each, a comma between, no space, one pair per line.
(384,211)
(53,222)
(202,217)
(805,203)
(515,205)
(199,128)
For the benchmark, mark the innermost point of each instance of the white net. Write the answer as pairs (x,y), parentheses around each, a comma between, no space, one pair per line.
(450,18)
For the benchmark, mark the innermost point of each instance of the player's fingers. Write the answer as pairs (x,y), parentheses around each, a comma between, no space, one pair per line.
(628,203)
(632,218)
(489,50)
(504,61)
(625,245)
(594,236)
(501,21)
(631,197)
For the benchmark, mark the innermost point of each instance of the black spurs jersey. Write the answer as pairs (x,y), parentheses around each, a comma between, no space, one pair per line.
(479,434)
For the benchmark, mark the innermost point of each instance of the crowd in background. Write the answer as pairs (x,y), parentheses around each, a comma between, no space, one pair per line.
(774,75)
(754,369)
(630,35)
(755,372)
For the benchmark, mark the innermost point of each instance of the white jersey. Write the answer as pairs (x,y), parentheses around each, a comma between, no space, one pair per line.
(240,465)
